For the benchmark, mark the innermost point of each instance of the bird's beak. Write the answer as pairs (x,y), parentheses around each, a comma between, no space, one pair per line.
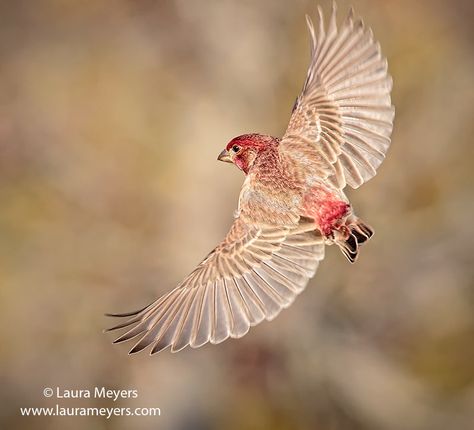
(225,156)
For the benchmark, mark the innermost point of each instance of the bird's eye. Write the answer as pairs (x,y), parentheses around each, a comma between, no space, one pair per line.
(236,148)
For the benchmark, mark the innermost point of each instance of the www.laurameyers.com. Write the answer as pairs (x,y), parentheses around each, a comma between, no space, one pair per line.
(96,393)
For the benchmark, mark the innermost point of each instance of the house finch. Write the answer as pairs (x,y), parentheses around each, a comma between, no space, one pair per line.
(292,202)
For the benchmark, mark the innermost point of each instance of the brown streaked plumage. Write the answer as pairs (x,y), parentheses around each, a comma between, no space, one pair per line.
(292,202)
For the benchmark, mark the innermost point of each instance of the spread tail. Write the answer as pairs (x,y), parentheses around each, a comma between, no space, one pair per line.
(351,236)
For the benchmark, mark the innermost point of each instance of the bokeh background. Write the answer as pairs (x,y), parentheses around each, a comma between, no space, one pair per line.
(111,118)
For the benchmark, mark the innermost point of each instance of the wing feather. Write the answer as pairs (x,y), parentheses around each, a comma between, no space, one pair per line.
(251,276)
(342,120)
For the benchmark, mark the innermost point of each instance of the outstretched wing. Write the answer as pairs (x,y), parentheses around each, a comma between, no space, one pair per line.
(342,121)
(254,273)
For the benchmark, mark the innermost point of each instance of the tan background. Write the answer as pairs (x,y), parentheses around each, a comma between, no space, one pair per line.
(111,118)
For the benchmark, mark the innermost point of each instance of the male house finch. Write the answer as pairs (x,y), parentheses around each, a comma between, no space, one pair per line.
(292,202)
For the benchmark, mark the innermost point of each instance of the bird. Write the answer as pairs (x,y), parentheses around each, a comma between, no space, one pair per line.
(292,203)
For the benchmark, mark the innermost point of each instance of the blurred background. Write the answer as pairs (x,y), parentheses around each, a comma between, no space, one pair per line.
(112,115)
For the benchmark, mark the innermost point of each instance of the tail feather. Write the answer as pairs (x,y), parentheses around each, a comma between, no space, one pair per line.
(356,233)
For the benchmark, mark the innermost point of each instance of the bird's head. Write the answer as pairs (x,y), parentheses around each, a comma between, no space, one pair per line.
(244,150)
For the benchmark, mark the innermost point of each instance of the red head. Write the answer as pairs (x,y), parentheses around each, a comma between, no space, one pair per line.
(243,150)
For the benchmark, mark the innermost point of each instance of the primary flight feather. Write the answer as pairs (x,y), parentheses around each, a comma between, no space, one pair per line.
(292,202)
